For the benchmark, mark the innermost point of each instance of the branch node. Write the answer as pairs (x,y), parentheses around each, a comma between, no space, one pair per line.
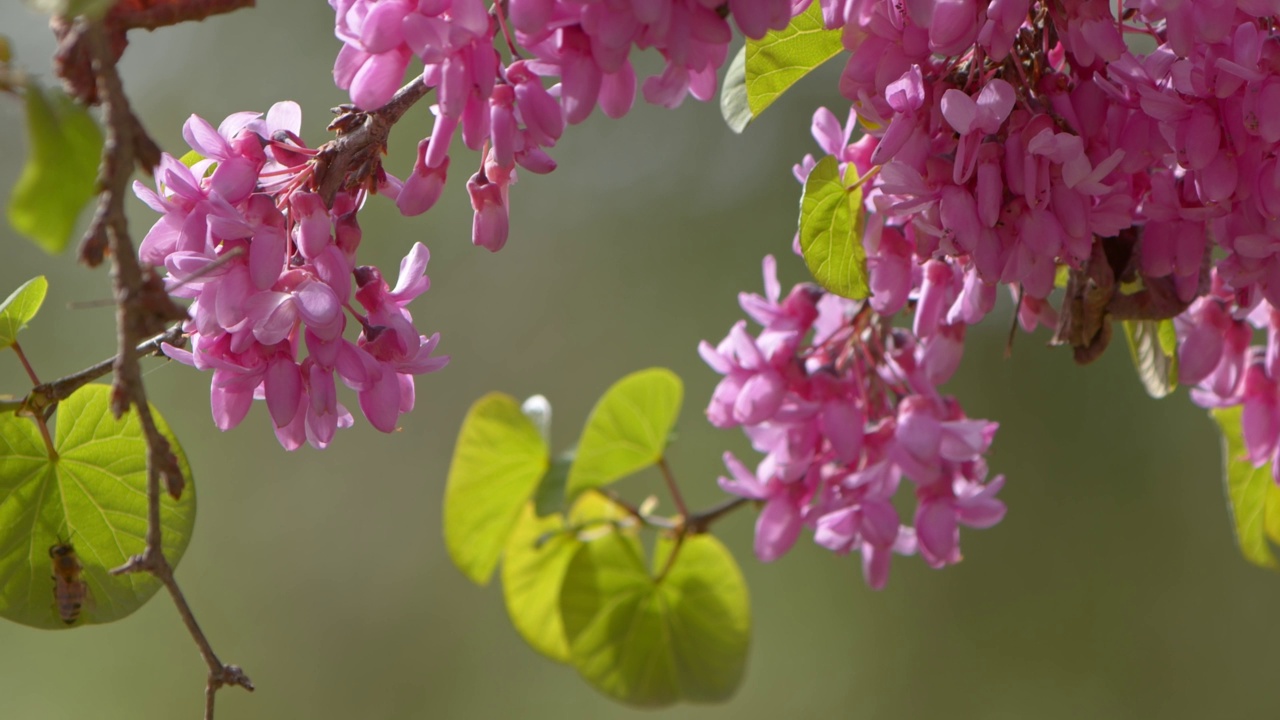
(232,675)
(135,564)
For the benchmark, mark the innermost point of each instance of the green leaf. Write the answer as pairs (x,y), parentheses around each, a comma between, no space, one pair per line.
(778,60)
(191,158)
(650,642)
(831,230)
(1167,334)
(94,495)
(627,430)
(533,568)
(20,307)
(1252,493)
(734,105)
(60,177)
(1154,356)
(497,463)
(548,499)
(1061,276)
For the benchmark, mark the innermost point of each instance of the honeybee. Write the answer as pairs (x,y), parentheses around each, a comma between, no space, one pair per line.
(69,589)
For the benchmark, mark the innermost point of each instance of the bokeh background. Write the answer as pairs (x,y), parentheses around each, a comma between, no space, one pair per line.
(1112,590)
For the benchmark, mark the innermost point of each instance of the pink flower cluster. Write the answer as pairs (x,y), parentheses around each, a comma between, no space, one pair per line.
(1015,135)
(844,406)
(1005,141)
(1002,142)
(1217,357)
(504,110)
(269,269)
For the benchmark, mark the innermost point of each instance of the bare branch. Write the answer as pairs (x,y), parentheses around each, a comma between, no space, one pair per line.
(45,396)
(73,61)
(673,488)
(143,310)
(700,522)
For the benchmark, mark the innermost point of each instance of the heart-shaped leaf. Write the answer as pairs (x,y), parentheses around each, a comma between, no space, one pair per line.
(497,464)
(93,496)
(652,642)
(627,430)
(534,564)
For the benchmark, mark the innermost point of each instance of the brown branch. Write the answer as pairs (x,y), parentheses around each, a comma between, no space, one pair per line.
(673,488)
(694,524)
(143,310)
(73,60)
(354,158)
(644,518)
(150,15)
(700,522)
(23,408)
(46,395)
(1158,300)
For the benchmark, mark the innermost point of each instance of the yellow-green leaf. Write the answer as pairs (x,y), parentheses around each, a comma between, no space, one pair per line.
(627,430)
(778,60)
(20,307)
(1252,494)
(651,642)
(499,458)
(534,564)
(831,230)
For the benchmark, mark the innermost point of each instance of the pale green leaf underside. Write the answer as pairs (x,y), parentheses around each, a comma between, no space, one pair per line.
(1251,492)
(778,60)
(497,463)
(95,496)
(734,105)
(20,307)
(830,231)
(627,430)
(1155,359)
(60,176)
(649,643)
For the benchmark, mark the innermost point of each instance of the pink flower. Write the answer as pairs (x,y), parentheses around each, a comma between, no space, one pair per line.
(779,523)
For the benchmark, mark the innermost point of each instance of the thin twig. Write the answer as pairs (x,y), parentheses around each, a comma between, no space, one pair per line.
(22,357)
(24,408)
(141,314)
(73,61)
(700,522)
(51,393)
(644,518)
(675,489)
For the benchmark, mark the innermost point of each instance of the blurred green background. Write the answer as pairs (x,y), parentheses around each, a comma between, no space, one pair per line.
(1112,590)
